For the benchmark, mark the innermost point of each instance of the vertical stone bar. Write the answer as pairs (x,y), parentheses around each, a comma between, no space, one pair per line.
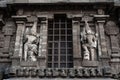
(18,50)
(43,44)
(76,42)
(104,54)
(18,43)
(8,32)
(40,41)
(19,38)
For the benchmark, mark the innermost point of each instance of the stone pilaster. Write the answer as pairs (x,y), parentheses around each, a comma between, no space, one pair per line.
(104,57)
(77,58)
(43,42)
(115,54)
(112,30)
(8,32)
(20,23)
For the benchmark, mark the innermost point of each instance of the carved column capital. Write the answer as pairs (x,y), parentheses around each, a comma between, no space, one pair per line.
(19,19)
(75,22)
(42,17)
(101,18)
(77,17)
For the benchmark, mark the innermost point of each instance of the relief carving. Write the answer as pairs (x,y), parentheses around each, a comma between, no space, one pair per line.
(79,72)
(55,73)
(89,42)
(41,73)
(30,41)
(111,28)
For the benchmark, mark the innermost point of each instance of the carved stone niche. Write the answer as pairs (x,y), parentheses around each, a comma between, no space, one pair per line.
(89,42)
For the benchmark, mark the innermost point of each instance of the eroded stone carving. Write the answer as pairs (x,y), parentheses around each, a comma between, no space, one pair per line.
(55,73)
(89,42)
(79,72)
(111,28)
(63,73)
(33,72)
(92,72)
(31,40)
(99,72)
(86,73)
(41,73)
(48,72)
(71,73)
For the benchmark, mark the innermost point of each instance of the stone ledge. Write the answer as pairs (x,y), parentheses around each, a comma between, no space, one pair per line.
(90,63)
(28,64)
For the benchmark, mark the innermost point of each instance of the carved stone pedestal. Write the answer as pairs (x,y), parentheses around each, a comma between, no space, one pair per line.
(86,63)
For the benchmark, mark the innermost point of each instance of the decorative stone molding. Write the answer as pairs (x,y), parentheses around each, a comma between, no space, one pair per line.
(69,73)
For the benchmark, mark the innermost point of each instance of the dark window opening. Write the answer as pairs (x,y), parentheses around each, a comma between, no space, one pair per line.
(60,44)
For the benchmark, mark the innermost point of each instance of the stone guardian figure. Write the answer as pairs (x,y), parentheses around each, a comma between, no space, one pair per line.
(89,42)
(31,39)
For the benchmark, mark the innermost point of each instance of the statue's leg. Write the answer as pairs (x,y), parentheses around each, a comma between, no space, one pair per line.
(92,54)
(25,51)
(31,55)
(86,53)
(33,58)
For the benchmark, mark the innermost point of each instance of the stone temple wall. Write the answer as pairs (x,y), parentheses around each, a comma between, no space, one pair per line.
(24,29)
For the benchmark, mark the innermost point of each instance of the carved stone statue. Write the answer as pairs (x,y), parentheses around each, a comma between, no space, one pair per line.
(30,40)
(89,42)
